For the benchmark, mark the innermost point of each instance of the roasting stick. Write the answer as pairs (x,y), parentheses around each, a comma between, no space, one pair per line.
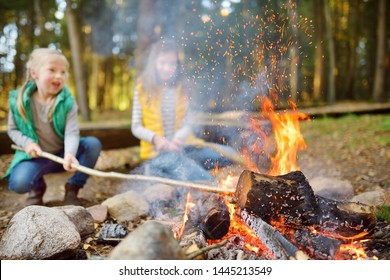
(111,174)
(235,157)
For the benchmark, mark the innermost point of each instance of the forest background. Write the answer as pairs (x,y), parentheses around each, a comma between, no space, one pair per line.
(233,51)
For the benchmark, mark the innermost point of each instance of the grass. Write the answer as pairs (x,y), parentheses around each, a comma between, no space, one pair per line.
(351,131)
(383,213)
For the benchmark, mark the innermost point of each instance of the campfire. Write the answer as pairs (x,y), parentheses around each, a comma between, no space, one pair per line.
(261,209)
(275,215)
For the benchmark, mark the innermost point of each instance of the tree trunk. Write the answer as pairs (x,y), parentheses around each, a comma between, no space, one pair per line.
(318,84)
(145,30)
(107,100)
(39,17)
(77,61)
(331,96)
(293,54)
(353,38)
(94,87)
(379,82)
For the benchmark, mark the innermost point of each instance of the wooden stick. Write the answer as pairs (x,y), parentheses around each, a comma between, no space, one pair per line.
(233,156)
(93,172)
(193,255)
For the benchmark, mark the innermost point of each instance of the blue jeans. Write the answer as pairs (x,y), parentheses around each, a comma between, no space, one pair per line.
(208,158)
(28,174)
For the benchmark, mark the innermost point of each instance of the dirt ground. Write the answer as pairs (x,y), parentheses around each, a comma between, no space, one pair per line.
(331,151)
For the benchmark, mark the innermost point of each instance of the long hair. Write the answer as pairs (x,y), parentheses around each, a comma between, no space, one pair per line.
(37,59)
(149,77)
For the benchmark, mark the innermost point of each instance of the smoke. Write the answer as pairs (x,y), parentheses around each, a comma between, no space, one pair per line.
(234,52)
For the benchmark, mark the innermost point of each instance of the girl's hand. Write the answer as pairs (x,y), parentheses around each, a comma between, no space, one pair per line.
(161,143)
(175,145)
(33,150)
(70,159)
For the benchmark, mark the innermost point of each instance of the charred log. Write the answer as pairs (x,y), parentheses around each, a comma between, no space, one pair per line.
(112,233)
(289,200)
(210,215)
(216,224)
(344,220)
(280,247)
(319,247)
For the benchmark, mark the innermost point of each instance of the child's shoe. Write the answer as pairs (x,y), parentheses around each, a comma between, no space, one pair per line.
(71,192)
(35,197)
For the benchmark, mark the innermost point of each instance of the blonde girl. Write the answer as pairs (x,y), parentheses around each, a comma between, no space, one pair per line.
(43,117)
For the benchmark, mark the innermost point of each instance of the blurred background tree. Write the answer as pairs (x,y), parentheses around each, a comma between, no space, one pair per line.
(234,51)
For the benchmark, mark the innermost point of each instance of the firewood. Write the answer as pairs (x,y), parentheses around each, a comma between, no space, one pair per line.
(320,247)
(344,220)
(280,247)
(210,214)
(193,255)
(216,224)
(289,200)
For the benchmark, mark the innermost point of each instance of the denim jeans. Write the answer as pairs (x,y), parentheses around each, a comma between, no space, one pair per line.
(176,166)
(208,158)
(28,174)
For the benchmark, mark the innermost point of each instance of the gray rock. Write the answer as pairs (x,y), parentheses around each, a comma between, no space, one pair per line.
(151,241)
(38,232)
(127,206)
(159,192)
(81,218)
(332,188)
(373,198)
(99,213)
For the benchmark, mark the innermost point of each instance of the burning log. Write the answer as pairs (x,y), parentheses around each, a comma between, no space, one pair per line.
(211,215)
(289,200)
(319,246)
(344,220)
(216,224)
(280,247)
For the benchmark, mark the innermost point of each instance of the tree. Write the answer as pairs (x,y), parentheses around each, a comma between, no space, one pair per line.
(77,60)
(379,83)
(353,39)
(318,83)
(145,29)
(331,96)
(293,52)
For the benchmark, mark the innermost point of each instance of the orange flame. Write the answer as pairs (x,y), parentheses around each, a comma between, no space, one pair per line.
(189,205)
(237,226)
(288,137)
(288,140)
(354,249)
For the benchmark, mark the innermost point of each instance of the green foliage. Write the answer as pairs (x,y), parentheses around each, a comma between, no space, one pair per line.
(228,52)
(383,212)
(348,129)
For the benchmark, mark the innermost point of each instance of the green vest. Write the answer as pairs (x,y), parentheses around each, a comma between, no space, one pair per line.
(63,104)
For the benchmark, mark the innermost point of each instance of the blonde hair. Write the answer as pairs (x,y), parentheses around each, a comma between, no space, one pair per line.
(149,78)
(37,58)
